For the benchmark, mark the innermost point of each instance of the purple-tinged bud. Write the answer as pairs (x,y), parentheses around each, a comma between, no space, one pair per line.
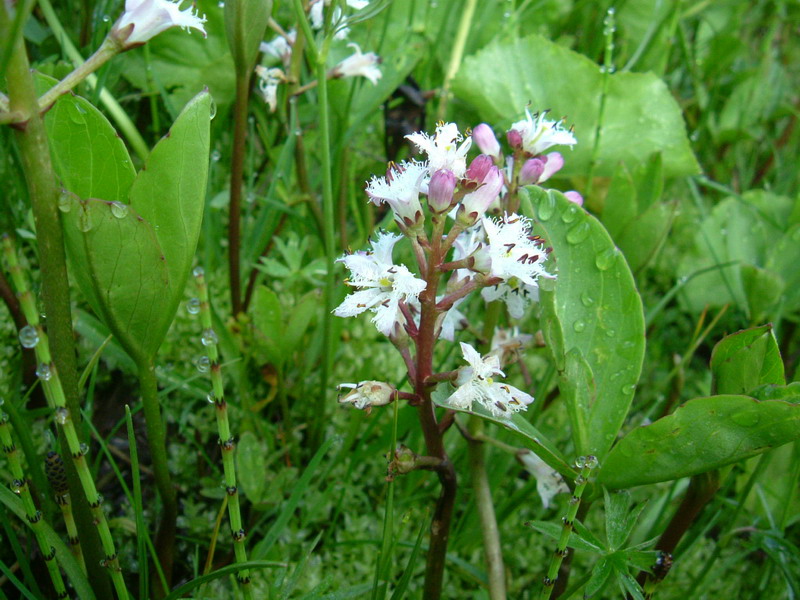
(480,167)
(575,197)
(552,165)
(514,138)
(440,190)
(484,138)
(531,171)
(474,205)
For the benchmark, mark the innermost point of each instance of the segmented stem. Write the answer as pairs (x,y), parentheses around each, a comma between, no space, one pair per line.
(48,376)
(54,468)
(19,485)
(585,464)
(227,442)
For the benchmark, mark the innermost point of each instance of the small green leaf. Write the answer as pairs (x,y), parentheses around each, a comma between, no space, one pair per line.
(745,360)
(302,313)
(89,157)
(120,268)
(640,115)
(600,574)
(616,505)
(595,311)
(553,531)
(245,24)
(252,469)
(703,434)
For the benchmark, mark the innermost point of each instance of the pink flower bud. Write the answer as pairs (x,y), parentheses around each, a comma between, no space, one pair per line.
(440,190)
(514,138)
(479,167)
(552,165)
(531,171)
(476,203)
(575,197)
(484,138)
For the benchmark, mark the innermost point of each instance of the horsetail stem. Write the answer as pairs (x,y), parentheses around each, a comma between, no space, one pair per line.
(56,475)
(19,485)
(585,464)
(48,376)
(226,440)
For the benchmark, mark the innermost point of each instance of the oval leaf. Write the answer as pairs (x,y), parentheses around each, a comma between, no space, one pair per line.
(703,434)
(745,360)
(640,115)
(593,320)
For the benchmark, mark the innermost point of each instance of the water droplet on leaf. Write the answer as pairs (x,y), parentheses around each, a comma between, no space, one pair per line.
(44,372)
(209,337)
(193,306)
(198,272)
(64,201)
(202,364)
(586,299)
(119,210)
(605,259)
(546,208)
(578,232)
(579,325)
(570,213)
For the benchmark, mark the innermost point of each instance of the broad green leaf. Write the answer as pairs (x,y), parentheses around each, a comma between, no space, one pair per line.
(251,474)
(703,434)
(641,240)
(621,204)
(530,436)
(640,115)
(595,310)
(745,360)
(649,179)
(120,268)
(302,313)
(776,392)
(88,155)
(245,25)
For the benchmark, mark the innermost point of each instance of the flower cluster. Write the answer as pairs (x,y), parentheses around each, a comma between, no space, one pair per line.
(489,248)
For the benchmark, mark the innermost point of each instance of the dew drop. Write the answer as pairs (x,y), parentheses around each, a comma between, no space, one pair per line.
(211,398)
(85,221)
(119,210)
(579,325)
(591,462)
(209,337)
(17,485)
(580,462)
(62,415)
(605,259)
(578,232)
(628,389)
(106,18)
(212,109)
(570,213)
(610,333)
(198,272)
(44,372)
(28,337)
(84,448)
(547,206)
(193,306)
(586,299)
(580,480)
(216,155)
(64,201)
(202,363)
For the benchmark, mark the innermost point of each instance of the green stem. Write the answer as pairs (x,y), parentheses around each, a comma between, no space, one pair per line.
(34,516)
(56,475)
(110,103)
(156,441)
(226,440)
(483,499)
(54,392)
(34,150)
(237,176)
(464,26)
(585,464)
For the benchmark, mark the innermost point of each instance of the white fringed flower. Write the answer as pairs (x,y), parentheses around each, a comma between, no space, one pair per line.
(400,189)
(280,47)
(538,133)
(317,16)
(517,258)
(443,149)
(476,384)
(145,19)
(384,284)
(359,65)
